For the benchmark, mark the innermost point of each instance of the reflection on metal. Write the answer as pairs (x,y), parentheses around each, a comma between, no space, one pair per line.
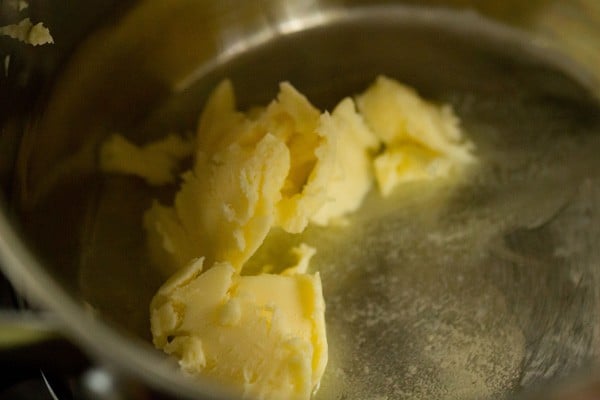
(99,384)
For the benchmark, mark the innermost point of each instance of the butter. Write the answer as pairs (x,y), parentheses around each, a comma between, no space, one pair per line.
(225,208)
(156,162)
(263,336)
(284,165)
(293,120)
(352,176)
(27,32)
(303,254)
(250,174)
(421,140)
(312,152)
(408,162)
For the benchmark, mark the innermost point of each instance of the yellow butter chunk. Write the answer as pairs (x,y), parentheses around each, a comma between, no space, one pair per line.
(303,254)
(408,162)
(292,119)
(422,140)
(250,174)
(221,124)
(224,209)
(263,336)
(352,177)
(155,162)
(312,153)
(27,32)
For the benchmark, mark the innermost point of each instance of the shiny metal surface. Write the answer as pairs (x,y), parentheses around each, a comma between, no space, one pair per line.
(476,291)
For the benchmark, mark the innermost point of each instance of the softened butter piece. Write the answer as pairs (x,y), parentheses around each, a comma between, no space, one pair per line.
(303,254)
(295,261)
(352,177)
(408,162)
(421,140)
(263,336)
(250,174)
(155,162)
(312,156)
(220,124)
(26,32)
(224,209)
(292,119)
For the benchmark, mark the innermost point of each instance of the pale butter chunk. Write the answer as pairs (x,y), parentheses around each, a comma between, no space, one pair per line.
(353,176)
(224,209)
(292,118)
(220,123)
(155,162)
(262,336)
(303,254)
(250,174)
(409,162)
(422,140)
(27,32)
(296,122)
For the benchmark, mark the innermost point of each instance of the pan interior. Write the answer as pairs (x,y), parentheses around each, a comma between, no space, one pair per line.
(448,291)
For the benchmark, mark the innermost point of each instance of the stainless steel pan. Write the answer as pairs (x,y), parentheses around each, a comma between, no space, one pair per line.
(478,291)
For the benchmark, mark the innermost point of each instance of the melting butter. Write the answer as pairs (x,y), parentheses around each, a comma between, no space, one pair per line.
(284,166)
